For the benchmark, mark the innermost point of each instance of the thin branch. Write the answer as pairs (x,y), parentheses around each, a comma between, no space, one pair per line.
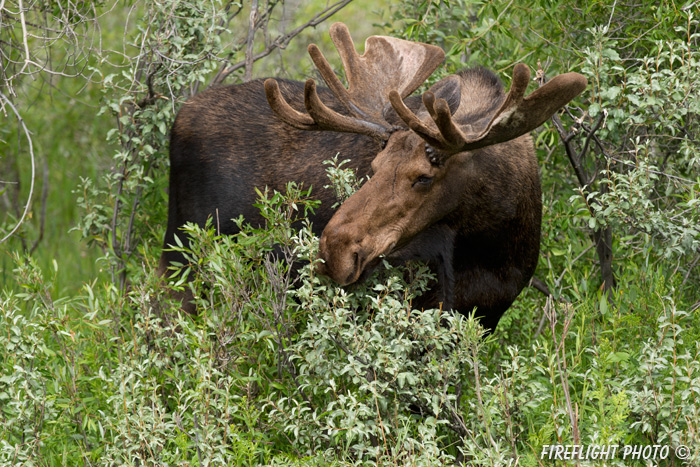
(591,133)
(561,363)
(479,399)
(602,238)
(282,41)
(27,59)
(612,13)
(31,156)
(44,199)
(585,250)
(690,269)
(252,20)
(495,22)
(223,24)
(574,159)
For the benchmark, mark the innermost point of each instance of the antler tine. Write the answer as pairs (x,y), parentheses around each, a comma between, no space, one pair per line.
(519,115)
(334,84)
(284,111)
(454,138)
(387,64)
(448,136)
(346,49)
(516,116)
(432,137)
(320,117)
(518,86)
(328,119)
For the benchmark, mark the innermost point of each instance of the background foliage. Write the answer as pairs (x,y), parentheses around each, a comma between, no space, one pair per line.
(278,368)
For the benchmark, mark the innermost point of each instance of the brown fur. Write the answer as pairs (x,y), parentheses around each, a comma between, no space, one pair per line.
(477,223)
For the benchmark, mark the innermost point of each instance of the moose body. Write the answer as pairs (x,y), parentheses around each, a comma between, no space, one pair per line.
(454,176)
(226,141)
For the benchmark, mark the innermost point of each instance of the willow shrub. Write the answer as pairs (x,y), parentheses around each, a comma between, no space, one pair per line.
(282,367)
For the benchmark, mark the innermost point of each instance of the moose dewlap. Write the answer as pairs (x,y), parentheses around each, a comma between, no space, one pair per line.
(454,177)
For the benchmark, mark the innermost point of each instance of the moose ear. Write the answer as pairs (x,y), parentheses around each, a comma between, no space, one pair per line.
(392,118)
(449,89)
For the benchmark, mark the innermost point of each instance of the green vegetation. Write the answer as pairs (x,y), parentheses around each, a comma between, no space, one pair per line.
(282,367)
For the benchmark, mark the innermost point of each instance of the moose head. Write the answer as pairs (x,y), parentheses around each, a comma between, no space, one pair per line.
(459,157)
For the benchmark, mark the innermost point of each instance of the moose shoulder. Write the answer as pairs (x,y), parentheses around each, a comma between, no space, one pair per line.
(454,177)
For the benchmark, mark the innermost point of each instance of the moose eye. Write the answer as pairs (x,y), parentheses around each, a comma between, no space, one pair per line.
(422,181)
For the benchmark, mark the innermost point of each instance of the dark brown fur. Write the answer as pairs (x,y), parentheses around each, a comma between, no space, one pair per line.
(477,223)
(226,141)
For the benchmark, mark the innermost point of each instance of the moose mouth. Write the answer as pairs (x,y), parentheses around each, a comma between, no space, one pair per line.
(362,268)
(347,268)
(368,269)
(394,254)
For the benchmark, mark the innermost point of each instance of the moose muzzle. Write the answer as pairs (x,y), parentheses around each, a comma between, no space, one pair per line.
(347,253)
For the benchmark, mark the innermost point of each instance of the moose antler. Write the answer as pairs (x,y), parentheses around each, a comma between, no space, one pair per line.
(516,116)
(388,65)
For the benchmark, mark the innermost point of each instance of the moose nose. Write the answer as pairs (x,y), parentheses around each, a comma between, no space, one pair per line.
(344,271)
(343,257)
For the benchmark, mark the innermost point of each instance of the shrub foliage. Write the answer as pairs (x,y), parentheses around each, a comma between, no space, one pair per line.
(282,367)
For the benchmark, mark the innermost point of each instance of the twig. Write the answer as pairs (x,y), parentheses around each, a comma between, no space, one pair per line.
(591,133)
(31,155)
(196,438)
(44,198)
(585,250)
(379,415)
(249,41)
(282,41)
(561,363)
(495,22)
(612,13)
(574,159)
(602,237)
(27,59)
(479,399)
(545,314)
(690,269)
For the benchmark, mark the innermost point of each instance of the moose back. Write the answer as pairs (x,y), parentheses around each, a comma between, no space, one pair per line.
(454,177)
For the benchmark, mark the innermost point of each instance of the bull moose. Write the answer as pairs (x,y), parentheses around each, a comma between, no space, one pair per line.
(454,176)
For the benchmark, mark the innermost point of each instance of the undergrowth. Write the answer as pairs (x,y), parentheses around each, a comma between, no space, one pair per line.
(282,367)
